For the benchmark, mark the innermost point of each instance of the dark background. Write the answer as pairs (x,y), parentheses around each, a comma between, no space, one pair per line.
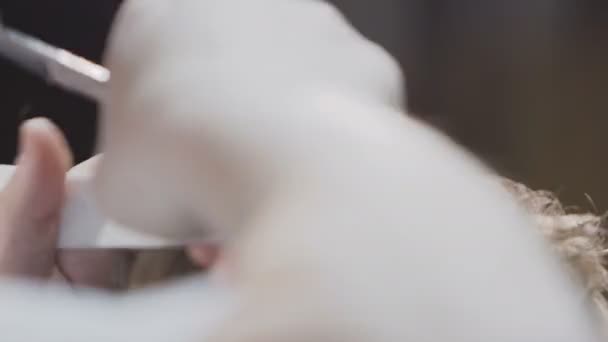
(522,83)
(80,26)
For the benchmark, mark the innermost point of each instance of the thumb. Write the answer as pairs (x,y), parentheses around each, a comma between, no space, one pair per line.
(30,204)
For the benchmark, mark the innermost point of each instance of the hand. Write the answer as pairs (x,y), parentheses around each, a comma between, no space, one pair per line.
(30,210)
(274,121)
(205,116)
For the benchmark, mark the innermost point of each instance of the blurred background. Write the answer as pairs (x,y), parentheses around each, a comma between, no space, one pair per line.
(521,83)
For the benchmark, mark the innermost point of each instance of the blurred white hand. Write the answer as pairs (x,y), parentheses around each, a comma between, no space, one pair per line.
(218,102)
(274,122)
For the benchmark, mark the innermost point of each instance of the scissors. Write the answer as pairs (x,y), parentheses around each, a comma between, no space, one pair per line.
(57,66)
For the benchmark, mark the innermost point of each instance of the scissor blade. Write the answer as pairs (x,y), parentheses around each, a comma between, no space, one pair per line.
(54,65)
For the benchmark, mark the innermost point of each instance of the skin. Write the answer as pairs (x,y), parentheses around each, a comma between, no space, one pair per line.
(30,264)
(30,207)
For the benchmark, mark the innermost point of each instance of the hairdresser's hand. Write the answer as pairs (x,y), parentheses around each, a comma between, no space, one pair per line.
(30,208)
(214,102)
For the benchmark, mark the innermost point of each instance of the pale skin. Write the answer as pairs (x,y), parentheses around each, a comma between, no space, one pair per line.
(30,207)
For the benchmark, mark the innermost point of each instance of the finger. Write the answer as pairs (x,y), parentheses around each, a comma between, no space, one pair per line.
(31,202)
(43,161)
(203,255)
(214,260)
(106,269)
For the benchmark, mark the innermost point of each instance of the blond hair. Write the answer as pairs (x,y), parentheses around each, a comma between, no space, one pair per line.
(580,239)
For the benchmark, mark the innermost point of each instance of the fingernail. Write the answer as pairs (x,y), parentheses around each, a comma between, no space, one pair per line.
(27,129)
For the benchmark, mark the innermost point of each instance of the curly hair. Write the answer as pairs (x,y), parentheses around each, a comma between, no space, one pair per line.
(580,239)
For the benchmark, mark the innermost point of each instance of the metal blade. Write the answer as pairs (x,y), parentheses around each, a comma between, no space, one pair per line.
(54,65)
